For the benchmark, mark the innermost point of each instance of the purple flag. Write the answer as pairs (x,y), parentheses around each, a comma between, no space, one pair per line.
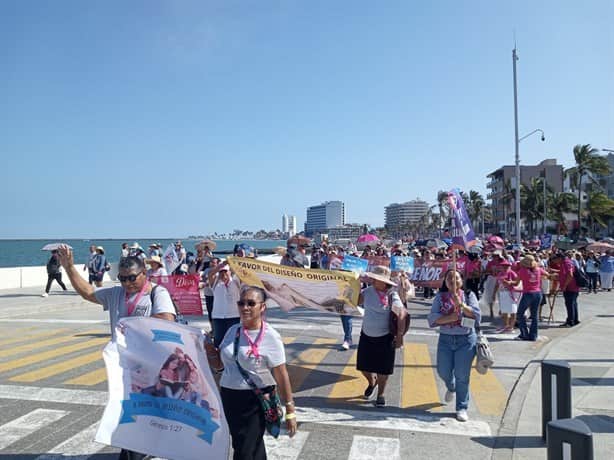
(462,233)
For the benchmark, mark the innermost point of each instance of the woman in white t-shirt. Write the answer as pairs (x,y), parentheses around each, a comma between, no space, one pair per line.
(260,353)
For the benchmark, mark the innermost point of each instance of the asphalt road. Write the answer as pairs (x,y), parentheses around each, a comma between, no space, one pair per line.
(53,385)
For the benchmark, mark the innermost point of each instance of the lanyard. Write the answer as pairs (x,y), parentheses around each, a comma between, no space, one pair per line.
(253,346)
(131,305)
(383,298)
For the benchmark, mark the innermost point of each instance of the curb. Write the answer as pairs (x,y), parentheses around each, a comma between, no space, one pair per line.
(505,439)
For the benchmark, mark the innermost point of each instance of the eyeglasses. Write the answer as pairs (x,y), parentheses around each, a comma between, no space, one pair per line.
(250,303)
(131,278)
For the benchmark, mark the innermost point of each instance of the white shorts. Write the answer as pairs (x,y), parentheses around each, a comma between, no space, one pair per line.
(489,290)
(508,303)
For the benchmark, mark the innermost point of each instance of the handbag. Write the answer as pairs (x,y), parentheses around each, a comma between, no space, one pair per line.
(269,400)
(484,355)
(399,322)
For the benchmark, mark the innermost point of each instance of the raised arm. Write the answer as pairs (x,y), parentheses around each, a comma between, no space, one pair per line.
(84,289)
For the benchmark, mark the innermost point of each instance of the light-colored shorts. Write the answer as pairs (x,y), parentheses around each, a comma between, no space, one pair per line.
(508,302)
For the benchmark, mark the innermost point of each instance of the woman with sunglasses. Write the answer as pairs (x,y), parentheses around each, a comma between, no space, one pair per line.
(253,349)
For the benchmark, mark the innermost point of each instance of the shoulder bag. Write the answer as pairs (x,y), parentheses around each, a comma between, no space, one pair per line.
(484,356)
(269,400)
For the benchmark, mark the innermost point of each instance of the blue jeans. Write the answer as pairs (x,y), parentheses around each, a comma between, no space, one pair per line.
(346,321)
(455,354)
(529,300)
(571,304)
(220,327)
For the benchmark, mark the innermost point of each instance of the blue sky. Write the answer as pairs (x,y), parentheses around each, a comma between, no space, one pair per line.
(163,118)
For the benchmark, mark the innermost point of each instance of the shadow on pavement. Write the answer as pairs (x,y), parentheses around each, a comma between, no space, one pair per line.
(592,381)
(509,442)
(315,378)
(598,423)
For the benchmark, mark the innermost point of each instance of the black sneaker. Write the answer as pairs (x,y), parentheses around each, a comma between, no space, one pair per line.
(380,402)
(565,325)
(369,391)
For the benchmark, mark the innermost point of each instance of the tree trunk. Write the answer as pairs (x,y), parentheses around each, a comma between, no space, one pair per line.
(579,205)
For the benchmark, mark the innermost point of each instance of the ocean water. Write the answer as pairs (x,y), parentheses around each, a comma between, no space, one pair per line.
(27,253)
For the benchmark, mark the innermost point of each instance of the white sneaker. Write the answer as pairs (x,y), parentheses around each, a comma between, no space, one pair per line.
(346,345)
(44,294)
(462,416)
(449,397)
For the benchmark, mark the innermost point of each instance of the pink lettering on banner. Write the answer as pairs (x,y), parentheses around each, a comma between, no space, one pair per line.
(184,292)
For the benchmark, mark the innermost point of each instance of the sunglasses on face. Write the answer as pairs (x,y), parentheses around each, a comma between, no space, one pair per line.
(131,278)
(250,303)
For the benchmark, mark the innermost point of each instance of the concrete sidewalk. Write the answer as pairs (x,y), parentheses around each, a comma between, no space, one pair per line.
(589,351)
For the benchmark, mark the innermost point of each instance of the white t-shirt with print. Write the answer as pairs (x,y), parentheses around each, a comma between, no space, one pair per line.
(225,299)
(113,299)
(272,354)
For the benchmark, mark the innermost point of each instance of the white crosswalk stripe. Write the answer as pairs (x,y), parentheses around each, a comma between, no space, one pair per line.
(374,448)
(25,425)
(79,447)
(284,447)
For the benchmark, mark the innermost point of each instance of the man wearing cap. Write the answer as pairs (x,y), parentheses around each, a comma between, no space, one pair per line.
(226,291)
(136,296)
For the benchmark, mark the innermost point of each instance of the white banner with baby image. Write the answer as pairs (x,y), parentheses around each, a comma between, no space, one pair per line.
(163,400)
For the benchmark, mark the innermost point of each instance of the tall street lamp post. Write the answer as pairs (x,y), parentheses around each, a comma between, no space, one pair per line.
(517,145)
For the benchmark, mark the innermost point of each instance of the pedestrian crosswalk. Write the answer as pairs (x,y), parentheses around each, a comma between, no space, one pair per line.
(320,372)
(33,434)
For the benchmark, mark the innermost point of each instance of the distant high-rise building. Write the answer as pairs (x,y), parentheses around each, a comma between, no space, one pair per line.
(291,226)
(284,223)
(398,214)
(326,215)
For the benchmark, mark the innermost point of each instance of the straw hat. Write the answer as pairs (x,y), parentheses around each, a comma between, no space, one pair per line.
(100,248)
(154,260)
(528,261)
(381,273)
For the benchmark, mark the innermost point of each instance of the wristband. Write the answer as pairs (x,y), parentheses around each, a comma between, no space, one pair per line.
(290,416)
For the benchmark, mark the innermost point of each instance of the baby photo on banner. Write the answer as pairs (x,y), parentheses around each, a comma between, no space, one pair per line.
(163,400)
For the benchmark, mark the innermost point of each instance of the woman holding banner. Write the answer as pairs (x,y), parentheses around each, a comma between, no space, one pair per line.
(253,356)
(455,313)
(376,347)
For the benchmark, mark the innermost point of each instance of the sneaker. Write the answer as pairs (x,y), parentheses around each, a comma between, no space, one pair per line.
(461,415)
(346,345)
(369,391)
(44,294)
(449,397)
(380,402)
(565,325)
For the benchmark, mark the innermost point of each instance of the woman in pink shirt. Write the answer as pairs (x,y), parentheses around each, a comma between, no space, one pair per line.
(509,296)
(531,274)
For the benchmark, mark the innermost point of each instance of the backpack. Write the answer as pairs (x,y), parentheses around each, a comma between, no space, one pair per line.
(581,278)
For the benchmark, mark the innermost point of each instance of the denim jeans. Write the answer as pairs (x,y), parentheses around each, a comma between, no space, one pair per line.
(571,304)
(455,354)
(346,321)
(529,300)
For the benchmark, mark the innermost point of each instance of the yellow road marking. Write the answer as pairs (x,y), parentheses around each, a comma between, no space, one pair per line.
(45,343)
(23,338)
(288,340)
(50,354)
(307,361)
(418,387)
(351,383)
(58,368)
(91,378)
(488,394)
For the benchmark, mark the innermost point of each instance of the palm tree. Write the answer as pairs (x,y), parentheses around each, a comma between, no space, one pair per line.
(474,206)
(598,209)
(588,163)
(531,197)
(506,200)
(561,204)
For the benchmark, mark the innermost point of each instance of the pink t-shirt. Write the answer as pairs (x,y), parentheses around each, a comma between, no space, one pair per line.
(531,279)
(508,275)
(568,268)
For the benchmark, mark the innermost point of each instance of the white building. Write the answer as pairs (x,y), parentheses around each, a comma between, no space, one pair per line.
(284,223)
(399,214)
(326,215)
(292,226)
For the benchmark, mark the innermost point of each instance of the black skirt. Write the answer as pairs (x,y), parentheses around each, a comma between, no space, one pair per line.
(376,354)
(245,419)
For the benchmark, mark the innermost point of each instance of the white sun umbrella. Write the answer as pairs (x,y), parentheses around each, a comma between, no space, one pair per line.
(53,246)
